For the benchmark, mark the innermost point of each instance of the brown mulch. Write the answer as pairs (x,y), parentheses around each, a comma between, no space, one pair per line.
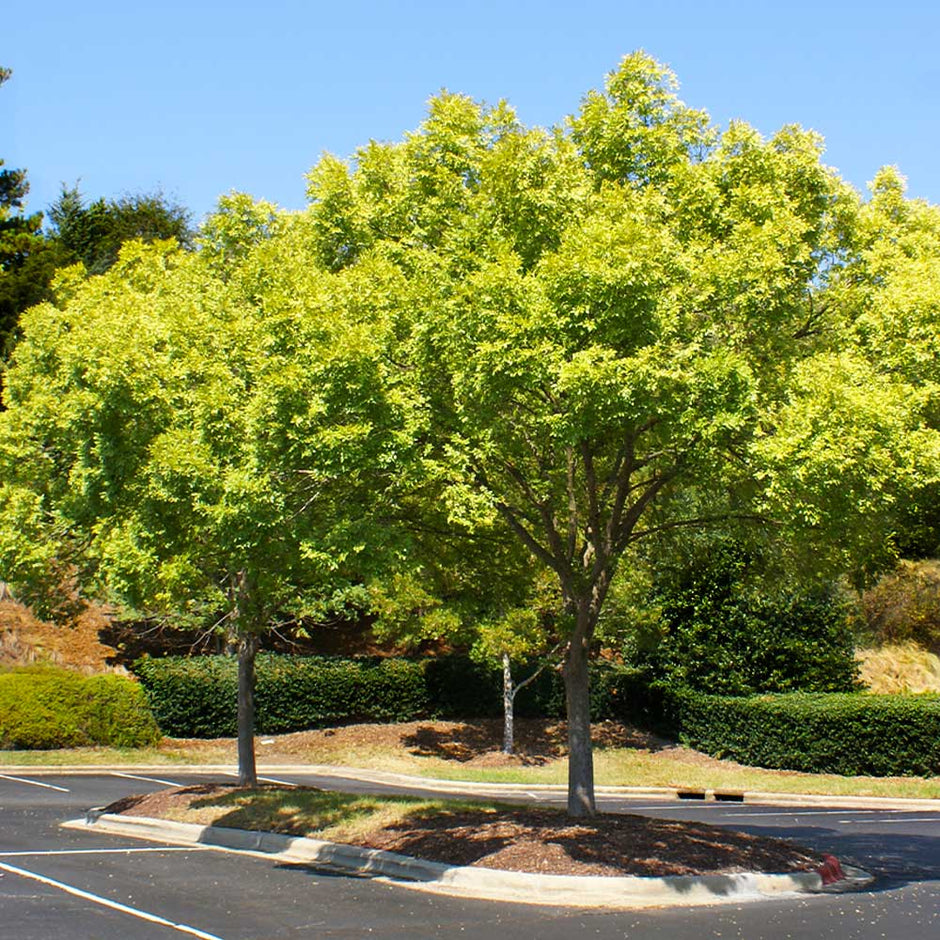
(475,743)
(546,841)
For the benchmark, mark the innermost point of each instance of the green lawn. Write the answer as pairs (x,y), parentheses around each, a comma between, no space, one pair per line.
(614,766)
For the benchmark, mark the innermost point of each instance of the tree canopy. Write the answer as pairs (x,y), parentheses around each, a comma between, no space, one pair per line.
(93,233)
(568,341)
(617,327)
(192,454)
(25,260)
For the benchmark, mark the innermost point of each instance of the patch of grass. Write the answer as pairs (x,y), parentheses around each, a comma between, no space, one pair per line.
(93,757)
(614,766)
(321,814)
(685,769)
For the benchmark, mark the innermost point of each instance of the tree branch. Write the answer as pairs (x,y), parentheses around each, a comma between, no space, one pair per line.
(546,662)
(534,546)
(572,504)
(701,521)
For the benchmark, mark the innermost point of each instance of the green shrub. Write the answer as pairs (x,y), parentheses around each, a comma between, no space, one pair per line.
(191,697)
(904,605)
(53,708)
(294,693)
(197,696)
(718,635)
(460,687)
(878,735)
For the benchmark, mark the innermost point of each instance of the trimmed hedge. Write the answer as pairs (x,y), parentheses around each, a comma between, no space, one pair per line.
(42,709)
(196,696)
(717,635)
(841,733)
(849,734)
(294,692)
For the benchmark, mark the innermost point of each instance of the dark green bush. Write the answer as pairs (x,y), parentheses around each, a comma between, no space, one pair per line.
(831,733)
(196,697)
(458,688)
(294,693)
(721,636)
(191,697)
(52,708)
(879,735)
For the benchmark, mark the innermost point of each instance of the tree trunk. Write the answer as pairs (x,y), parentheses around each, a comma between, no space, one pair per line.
(580,753)
(247,648)
(508,697)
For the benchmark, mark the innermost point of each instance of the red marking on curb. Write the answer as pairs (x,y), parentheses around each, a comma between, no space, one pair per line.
(830,871)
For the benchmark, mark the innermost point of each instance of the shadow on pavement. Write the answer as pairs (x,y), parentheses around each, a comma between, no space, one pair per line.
(894,859)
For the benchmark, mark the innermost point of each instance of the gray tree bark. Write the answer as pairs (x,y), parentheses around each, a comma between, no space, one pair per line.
(509,695)
(247,649)
(580,753)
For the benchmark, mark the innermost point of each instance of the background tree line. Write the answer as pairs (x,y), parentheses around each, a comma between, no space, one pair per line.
(76,231)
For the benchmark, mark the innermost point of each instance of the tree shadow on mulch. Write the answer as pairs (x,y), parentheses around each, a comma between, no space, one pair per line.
(535,742)
(548,841)
(128,803)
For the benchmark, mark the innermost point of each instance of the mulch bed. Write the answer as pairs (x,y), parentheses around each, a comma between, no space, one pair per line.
(548,842)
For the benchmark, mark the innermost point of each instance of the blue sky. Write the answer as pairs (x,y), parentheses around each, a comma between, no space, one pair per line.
(199,98)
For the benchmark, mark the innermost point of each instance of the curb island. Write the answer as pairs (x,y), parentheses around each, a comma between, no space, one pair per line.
(628,891)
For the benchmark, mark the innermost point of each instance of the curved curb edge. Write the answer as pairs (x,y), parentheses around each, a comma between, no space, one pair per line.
(490,884)
(498,790)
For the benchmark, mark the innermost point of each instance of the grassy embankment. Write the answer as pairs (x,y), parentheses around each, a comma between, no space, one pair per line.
(391,749)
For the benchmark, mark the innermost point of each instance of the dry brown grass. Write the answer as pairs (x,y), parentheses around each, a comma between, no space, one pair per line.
(900,667)
(27,641)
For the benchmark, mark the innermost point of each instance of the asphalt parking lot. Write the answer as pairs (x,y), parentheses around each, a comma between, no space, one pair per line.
(68,884)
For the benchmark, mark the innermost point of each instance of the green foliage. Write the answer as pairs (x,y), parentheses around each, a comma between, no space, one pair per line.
(855,450)
(53,708)
(878,735)
(626,326)
(195,697)
(904,605)
(25,262)
(567,341)
(294,692)
(94,233)
(718,634)
(190,452)
(461,687)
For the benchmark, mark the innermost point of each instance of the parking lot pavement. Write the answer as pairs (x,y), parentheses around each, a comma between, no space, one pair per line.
(87,886)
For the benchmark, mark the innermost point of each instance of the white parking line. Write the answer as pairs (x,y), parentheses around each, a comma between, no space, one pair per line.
(167,783)
(104,902)
(664,805)
(174,848)
(35,783)
(780,811)
(285,783)
(889,822)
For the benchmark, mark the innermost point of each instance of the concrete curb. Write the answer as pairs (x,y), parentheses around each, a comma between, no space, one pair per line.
(489,884)
(493,789)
